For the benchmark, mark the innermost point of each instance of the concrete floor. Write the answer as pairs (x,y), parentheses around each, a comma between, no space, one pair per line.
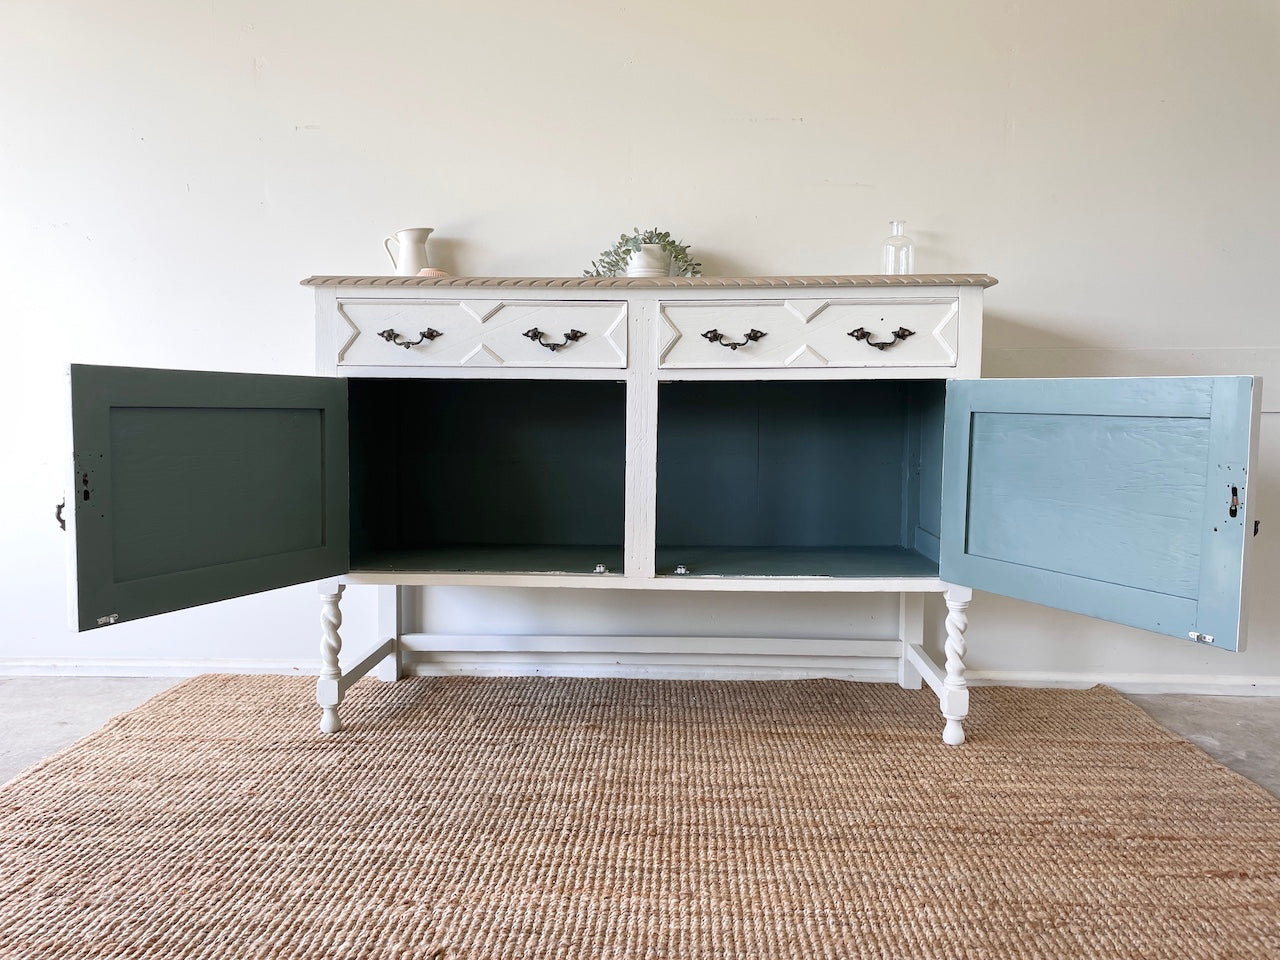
(1242,733)
(41,715)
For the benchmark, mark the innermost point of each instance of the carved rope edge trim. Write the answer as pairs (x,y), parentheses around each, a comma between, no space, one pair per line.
(864,280)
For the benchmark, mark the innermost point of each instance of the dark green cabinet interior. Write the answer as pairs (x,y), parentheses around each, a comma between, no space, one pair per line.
(827,478)
(487,475)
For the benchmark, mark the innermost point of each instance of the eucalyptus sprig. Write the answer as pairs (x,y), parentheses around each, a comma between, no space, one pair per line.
(613,262)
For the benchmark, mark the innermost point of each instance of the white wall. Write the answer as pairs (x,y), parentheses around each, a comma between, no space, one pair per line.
(171,170)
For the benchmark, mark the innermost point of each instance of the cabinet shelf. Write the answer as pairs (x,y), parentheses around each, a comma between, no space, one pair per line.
(496,558)
(851,562)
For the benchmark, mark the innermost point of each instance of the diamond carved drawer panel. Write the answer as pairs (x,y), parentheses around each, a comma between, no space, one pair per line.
(809,333)
(484,333)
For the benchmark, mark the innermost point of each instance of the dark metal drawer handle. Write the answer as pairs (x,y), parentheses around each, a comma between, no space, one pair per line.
(536,336)
(715,336)
(863,334)
(392,337)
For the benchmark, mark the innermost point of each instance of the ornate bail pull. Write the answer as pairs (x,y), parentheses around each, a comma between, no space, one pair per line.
(392,337)
(715,336)
(536,336)
(863,334)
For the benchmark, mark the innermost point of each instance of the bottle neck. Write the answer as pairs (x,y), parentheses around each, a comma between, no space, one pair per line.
(896,227)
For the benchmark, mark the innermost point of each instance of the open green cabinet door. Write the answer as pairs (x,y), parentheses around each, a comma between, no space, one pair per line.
(1122,499)
(191,487)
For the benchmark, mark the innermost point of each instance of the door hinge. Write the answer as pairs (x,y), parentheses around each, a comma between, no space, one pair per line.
(107,621)
(1200,637)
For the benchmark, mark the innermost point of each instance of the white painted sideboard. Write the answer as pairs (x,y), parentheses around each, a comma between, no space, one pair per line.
(790,434)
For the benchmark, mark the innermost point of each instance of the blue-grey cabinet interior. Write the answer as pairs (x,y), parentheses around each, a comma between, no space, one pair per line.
(1112,498)
(837,478)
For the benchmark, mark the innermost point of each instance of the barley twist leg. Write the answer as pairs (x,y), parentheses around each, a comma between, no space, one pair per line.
(328,691)
(955,690)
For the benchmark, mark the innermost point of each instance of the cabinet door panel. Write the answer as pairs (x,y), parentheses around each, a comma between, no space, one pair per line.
(191,487)
(1122,499)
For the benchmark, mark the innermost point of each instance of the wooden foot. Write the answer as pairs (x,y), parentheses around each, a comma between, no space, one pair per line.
(329,685)
(953,732)
(955,691)
(329,722)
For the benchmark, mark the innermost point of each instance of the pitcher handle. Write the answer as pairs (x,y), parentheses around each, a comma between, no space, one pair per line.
(387,246)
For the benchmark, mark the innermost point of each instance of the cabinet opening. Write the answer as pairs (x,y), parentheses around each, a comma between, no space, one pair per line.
(815,478)
(487,475)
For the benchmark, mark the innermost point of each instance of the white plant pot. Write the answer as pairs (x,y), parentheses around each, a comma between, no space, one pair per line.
(649,261)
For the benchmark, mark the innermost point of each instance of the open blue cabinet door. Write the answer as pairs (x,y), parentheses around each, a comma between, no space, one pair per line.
(1122,499)
(191,487)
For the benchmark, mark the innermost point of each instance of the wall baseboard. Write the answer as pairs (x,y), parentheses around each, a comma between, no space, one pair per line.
(159,667)
(655,668)
(1210,685)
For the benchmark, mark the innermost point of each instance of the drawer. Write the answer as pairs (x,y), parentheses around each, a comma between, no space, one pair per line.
(920,332)
(482,333)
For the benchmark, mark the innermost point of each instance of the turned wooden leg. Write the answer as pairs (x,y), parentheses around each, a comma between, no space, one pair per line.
(328,687)
(955,691)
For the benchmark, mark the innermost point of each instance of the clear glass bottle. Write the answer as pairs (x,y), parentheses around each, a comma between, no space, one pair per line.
(899,253)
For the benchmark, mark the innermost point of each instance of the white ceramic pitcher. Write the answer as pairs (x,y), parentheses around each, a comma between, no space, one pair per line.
(410,254)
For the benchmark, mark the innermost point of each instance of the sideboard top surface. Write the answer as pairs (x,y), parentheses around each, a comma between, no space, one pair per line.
(626,283)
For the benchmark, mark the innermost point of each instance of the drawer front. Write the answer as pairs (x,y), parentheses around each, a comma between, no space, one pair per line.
(483,333)
(920,332)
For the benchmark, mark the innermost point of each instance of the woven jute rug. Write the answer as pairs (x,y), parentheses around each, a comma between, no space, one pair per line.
(568,818)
